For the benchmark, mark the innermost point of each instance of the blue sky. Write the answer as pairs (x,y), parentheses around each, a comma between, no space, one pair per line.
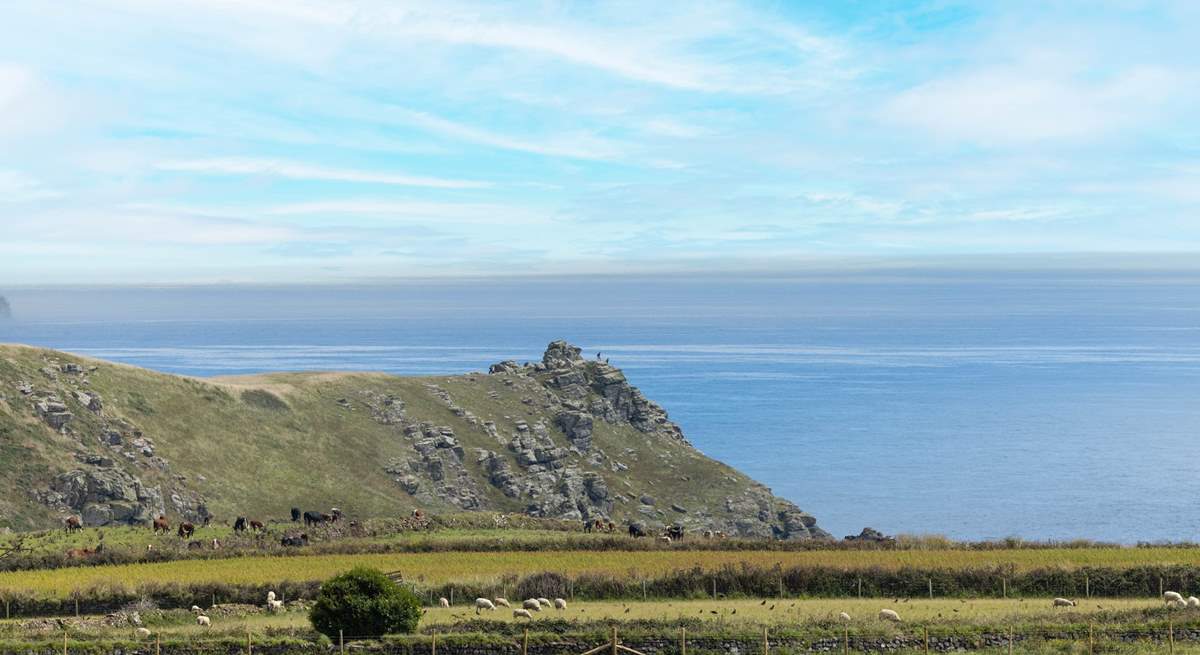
(281,140)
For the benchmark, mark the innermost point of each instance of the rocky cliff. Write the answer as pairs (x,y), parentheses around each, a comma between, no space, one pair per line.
(565,437)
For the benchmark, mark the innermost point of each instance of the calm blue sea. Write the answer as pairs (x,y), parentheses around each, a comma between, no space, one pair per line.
(970,404)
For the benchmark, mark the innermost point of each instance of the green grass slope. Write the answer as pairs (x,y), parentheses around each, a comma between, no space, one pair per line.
(117,444)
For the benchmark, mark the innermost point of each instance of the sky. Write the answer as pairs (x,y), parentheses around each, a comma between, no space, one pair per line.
(281,141)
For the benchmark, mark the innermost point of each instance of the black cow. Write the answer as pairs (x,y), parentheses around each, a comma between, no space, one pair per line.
(636,530)
(295,514)
(293,541)
(675,532)
(240,524)
(314,518)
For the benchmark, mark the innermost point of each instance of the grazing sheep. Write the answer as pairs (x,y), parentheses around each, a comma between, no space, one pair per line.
(1063,602)
(270,596)
(1192,601)
(196,609)
(560,604)
(204,621)
(889,615)
(484,604)
(443,602)
(518,614)
(502,602)
(532,604)
(142,633)
(1172,595)
(544,602)
(844,616)
(275,606)
(1176,604)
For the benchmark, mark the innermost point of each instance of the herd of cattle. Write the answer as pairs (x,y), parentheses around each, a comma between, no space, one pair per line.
(187,529)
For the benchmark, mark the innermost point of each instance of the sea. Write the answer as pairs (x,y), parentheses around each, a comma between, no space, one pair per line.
(975,404)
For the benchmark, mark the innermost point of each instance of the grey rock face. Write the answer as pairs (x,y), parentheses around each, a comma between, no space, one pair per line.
(107,496)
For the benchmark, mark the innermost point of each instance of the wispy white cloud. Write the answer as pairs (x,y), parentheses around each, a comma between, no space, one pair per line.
(303,171)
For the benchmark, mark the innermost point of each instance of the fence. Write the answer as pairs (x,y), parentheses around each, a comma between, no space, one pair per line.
(767,641)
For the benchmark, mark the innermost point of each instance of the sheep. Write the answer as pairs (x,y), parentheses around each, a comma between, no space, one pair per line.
(560,604)
(889,615)
(270,596)
(1192,601)
(275,606)
(204,621)
(532,604)
(1064,602)
(518,614)
(142,633)
(442,602)
(196,609)
(484,604)
(844,616)
(1176,604)
(502,602)
(544,602)
(1172,595)
(666,539)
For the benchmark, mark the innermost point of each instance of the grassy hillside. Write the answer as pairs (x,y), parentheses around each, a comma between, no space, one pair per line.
(117,444)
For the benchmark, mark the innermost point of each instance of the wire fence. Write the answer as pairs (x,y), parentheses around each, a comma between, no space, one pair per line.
(1089,639)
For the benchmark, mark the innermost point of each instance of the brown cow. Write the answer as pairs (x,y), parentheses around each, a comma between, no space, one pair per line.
(186,530)
(72,524)
(80,553)
(161,525)
(257,526)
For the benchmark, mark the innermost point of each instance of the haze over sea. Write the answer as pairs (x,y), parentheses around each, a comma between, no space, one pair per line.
(1045,404)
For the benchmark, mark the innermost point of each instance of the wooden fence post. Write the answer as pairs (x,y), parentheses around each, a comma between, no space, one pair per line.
(714,581)
(1004,587)
(860,587)
(643,590)
(64,642)
(249,643)
(157,644)
(341,642)
(76,594)
(845,641)
(766,643)
(925,629)
(1160,586)
(1091,640)
(781,587)
(614,640)
(1170,636)
(433,644)
(683,641)
(930,588)
(1010,640)
(1087,585)
(525,643)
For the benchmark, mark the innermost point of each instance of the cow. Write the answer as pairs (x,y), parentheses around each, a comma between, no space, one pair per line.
(335,515)
(257,526)
(80,553)
(292,541)
(195,545)
(675,532)
(186,530)
(295,515)
(72,524)
(611,527)
(316,518)
(636,530)
(587,526)
(240,524)
(161,525)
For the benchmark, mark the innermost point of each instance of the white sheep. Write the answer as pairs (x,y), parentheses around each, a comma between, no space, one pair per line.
(502,602)
(270,596)
(1063,602)
(889,615)
(560,604)
(274,606)
(665,539)
(844,616)
(532,604)
(522,614)
(544,602)
(1176,604)
(196,609)
(142,633)
(443,602)
(1169,596)
(484,604)
(1192,601)
(204,621)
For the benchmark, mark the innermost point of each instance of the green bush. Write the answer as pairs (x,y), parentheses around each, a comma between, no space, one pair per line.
(364,603)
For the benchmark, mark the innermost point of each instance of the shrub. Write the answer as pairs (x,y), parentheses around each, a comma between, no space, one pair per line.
(364,603)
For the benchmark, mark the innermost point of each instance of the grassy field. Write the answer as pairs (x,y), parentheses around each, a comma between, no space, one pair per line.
(474,567)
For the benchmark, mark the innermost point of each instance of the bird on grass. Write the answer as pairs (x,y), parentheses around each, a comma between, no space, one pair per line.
(734,611)
(763,603)
(627,609)
(771,608)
